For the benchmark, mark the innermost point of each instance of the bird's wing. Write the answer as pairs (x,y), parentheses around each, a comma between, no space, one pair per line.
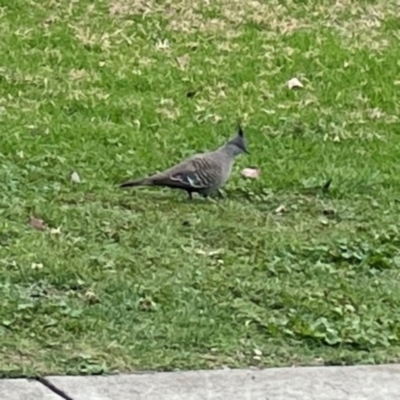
(183,175)
(192,173)
(187,173)
(199,172)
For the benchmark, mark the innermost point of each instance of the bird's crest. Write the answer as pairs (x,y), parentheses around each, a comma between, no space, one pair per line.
(238,143)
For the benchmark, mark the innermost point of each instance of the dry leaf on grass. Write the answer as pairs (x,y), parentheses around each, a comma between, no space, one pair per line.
(75,177)
(257,352)
(294,83)
(91,297)
(162,44)
(55,231)
(209,253)
(323,221)
(281,209)
(251,173)
(36,265)
(37,223)
(183,61)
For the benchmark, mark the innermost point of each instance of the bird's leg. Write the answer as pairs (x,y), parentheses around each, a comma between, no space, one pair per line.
(190,195)
(220,195)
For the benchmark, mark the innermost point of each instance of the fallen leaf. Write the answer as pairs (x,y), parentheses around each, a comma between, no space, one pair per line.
(162,44)
(91,297)
(252,173)
(209,253)
(36,265)
(37,223)
(294,83)
(183,61)
(55,231)
(75,177)
(257,352)
(323,221)
(281,209)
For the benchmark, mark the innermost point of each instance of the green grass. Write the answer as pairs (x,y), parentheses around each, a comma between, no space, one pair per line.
(145,279)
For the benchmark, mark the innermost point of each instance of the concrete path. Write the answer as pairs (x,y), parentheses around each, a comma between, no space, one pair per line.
(22,389)
(308,383)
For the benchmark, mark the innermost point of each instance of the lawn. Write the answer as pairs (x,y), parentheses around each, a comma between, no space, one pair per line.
(281,271)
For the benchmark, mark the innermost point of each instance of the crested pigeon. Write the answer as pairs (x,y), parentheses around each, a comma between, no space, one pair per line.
(203,173)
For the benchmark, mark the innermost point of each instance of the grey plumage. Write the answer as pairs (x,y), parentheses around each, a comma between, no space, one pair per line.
(202,173)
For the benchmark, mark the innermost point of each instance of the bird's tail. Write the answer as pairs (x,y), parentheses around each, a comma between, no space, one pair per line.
(137,182)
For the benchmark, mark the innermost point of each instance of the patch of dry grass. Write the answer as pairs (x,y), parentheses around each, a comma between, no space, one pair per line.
(358,23)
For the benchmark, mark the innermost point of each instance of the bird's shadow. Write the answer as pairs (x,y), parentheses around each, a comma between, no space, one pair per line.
(162,197)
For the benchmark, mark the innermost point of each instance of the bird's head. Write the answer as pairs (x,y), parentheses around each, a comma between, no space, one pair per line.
(237,145)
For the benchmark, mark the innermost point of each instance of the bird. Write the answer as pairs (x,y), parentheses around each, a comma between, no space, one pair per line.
(202,173)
